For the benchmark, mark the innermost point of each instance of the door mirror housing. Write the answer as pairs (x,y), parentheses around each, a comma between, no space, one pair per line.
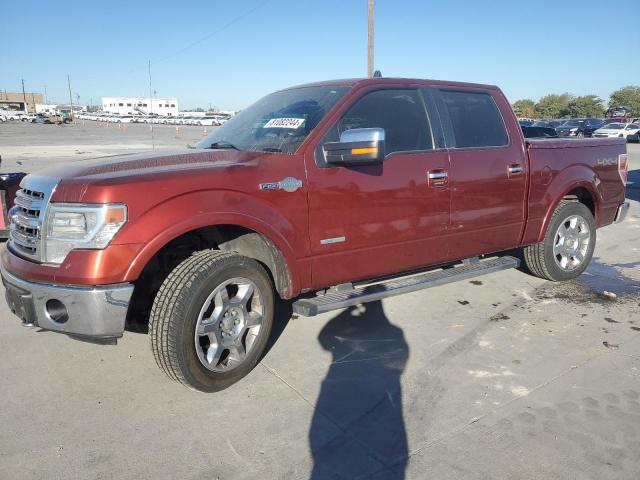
(358,146)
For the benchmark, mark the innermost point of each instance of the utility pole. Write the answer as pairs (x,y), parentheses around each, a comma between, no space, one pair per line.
(46,99)
(153,144)
(70,96)
(370,41)
(24,97)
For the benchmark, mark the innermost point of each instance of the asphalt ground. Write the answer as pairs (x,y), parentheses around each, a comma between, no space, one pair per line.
(504,377)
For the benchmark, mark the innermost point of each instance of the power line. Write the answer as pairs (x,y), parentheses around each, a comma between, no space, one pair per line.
(215,32)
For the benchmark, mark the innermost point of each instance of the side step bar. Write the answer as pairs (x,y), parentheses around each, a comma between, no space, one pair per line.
(339,298)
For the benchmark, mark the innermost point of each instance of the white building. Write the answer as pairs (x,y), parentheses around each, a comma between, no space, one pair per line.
(130,106)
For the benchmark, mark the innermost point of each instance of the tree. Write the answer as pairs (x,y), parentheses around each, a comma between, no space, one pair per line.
(586,106)
(525,108)
(628,96)
(553,106)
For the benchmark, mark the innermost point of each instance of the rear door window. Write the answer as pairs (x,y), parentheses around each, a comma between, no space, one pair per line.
(475,119)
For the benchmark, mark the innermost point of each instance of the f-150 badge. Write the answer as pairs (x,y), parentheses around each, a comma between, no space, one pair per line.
(289,184)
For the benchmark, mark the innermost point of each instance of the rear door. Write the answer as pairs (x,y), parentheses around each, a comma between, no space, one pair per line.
(372,220)
(488,170)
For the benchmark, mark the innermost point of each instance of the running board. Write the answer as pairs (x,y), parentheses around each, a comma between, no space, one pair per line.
(335,299)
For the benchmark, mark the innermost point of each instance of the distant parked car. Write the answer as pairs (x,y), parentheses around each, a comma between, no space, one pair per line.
(548,123)
(30,118)
(525,122)
(124,119)
(539,132)
(13,115)
(3,118)
(206,120)
(41,118)
(636,121)
(579,127)
(622,130)
(184,120)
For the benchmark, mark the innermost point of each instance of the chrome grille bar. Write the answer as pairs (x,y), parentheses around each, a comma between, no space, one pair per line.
(27,216)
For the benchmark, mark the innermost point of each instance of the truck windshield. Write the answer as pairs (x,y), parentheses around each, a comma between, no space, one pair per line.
(279,122)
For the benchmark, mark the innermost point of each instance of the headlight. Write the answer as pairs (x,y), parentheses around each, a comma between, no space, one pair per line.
(574,129)
(71,226)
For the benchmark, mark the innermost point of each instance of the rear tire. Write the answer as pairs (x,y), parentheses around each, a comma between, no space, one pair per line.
(211,319)
(568,244)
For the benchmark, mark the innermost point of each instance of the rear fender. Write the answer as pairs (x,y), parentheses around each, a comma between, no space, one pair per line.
(543,200)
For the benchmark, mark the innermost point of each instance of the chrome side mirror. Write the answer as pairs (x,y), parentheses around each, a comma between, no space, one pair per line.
(359,146)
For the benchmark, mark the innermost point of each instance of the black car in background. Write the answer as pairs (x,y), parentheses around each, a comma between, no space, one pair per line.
(539,132)
(548,123)
(525,122)
(579,127)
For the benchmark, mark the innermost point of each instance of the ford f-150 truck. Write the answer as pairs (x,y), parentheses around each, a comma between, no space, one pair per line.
(334,193)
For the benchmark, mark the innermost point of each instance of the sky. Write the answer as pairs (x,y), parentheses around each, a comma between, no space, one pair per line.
(227,54)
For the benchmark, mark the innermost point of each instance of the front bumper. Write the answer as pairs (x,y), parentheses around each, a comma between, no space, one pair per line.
(621,213)
(95,312)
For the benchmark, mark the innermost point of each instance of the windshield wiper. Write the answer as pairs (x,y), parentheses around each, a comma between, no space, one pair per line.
(272,149)
(222,145)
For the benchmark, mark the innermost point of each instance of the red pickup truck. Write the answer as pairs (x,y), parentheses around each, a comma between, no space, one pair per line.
(336,193)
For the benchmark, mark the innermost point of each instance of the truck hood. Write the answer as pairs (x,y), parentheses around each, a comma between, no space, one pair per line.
(127,167)
(100,179)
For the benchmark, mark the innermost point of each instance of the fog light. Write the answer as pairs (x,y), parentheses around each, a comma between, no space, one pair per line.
(56,311)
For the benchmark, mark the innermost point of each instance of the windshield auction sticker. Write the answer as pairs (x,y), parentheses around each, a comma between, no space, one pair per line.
(284,123)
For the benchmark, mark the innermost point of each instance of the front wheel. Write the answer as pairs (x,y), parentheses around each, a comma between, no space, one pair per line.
(568,244)
(211,319)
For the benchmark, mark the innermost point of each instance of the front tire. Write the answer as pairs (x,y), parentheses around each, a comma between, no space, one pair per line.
(568,244)
(211,319)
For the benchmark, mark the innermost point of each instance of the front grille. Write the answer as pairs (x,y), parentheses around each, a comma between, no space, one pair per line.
(27,216)
(26,221)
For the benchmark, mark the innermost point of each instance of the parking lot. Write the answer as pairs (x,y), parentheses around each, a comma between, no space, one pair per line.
(29,146)
(506,376)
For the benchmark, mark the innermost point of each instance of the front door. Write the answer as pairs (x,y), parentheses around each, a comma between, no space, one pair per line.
(373,220)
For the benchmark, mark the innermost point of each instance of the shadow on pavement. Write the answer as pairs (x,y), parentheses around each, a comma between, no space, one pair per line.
(362,396)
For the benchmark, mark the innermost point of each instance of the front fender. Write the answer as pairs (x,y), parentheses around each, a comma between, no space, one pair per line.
(172,218)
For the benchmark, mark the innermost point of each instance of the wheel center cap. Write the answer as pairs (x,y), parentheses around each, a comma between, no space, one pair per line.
(230,320)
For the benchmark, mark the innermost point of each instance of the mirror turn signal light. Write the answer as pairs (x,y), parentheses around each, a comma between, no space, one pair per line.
(364,151)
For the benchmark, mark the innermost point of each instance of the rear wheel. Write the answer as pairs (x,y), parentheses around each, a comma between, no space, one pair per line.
(568,244)
(211,319)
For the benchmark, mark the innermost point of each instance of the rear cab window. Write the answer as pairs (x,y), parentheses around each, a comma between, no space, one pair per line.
(474,120)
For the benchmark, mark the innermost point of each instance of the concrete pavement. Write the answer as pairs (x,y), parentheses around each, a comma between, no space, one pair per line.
(506,376)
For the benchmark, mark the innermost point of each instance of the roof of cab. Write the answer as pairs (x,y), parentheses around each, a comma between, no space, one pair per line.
(352,82)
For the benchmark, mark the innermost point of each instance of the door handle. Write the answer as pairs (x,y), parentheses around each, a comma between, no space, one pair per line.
(438,178)
(438,175)
(515,169)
